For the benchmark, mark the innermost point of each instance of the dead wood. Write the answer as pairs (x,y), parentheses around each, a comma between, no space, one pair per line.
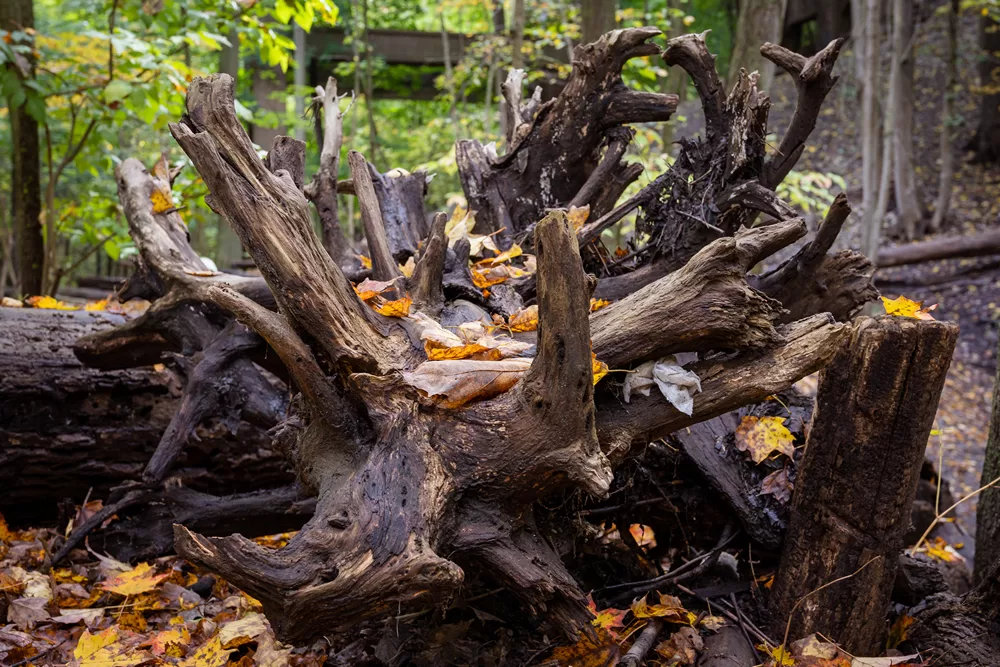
(946,247)
(856,483)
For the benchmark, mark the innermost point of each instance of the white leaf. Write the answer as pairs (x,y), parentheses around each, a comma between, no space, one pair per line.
(676,384)
(883,662)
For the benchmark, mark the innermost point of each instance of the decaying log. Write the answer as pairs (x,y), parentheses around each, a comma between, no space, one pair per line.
(727,648)
(945,247)
(66,430)
(856,482)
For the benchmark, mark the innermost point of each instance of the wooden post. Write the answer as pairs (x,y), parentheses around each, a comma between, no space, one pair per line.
(857,479)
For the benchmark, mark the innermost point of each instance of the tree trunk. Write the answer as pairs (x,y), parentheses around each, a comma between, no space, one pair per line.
(948,120)
(25,160)
(857,480)
(759,21)
(596,18)
(946,247)
(872,224)
(67,430)
(988,509)
(908,204)
(228,249)
(986,142)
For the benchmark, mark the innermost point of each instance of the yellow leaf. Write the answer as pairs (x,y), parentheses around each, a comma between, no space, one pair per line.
(577,215)
(237,633)
(643,535)
(368,289)
(476,351)
(903,307)
(763,436)
(779,656)
(668,608)
(506,255)
(407,269)
(93,306)
(104,650)
(397,308)
(455,383)
(589,653)
(526,319)
(210,654)
(202,274)
(140,579)
(599,368)
(48,303)
(597,304)
(161,201)
(365,261)
(899,630)
(488,276)
(165,641)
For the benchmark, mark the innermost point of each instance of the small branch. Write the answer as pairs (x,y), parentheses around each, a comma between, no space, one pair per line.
(618,141)
(635,655)
(384,267)
(692,55)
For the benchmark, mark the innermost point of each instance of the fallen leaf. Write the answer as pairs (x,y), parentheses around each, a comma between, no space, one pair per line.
(525,319)
(609,619)
(89,617)
(209,654)
(48,303)
(368,289)
(8,302)
(603,651)
(777,485)
(813,647)
(598,368)
(669,608)
(365,261)
(408,268)
(712,622)
(577,215)
(202,274)
(455,383)
(899,630)
(780,657)
(763,436)
(939,549)
(883,662)
(643,535)
(597,304)
(903,307)
(96,306)
(27,612)
(236,633)
(506,255)
(137,580)
(105,650)
(166,641)
(682,648)
(676,384)
(396,308)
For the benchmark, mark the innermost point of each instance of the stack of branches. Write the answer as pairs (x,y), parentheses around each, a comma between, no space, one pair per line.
(414,479)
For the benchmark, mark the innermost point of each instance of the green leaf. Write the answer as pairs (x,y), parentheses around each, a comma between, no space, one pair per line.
(113,249)
(117,90)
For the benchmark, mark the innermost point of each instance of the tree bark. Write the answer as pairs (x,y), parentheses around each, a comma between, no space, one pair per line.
(759,21)
(986,142)
(26,203)
(857,480)
(66,430)
(948,120)
(908,203)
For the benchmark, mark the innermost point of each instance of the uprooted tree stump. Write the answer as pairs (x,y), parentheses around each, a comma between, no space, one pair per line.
(852,503)
(414,485)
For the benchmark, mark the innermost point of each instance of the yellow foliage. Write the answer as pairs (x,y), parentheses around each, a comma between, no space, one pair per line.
(763,436)
(396,308)
(599,368)
(138,580)
(577,216)
(526,319)
(49,303)
(903,307)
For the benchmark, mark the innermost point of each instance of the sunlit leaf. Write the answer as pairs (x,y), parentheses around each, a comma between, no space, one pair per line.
(764,436)
(140,579)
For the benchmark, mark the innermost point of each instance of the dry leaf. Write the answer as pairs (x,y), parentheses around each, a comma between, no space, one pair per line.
(162,202)
(609,619)
(597,304)
(668,608)
(96,306)
(525,319)
(48,303)
(779,655)
(105,650)
(682,648)
(408,268)
(643,535)
(236,633)
(598,368)
(397,308)
(604,652)
(365,261)
(883,662)
(209,654)
(455,383)
(899,630)
(137,580)
(89,617)
(763,436)
(903,307)
(8,302)
(577,215)
(202,274)
(368,289)
(676,384)
(777,485)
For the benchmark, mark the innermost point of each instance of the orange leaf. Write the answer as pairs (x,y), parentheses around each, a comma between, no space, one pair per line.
(48,303)
(161,201)
(472,351)
(488,277)
(668,608)
(368,289)
(597,304)
(93,306)
(602,652)
(137,580)
(397,308)
(599,368)
(577,215)
(506,255)
(763,436)
(525,319)
(903,307)
(365,261)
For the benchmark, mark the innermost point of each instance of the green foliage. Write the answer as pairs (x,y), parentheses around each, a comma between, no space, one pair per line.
(811,192)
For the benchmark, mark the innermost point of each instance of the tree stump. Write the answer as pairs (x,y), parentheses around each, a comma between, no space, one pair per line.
(857,480)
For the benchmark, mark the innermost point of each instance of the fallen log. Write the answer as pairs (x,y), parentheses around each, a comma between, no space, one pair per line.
(856,483)
(66,430)
(947,247)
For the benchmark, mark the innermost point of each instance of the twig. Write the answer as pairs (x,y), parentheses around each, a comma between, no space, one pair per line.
(743,624)
(38,655)
(941,515)
(732,617)
(641,647)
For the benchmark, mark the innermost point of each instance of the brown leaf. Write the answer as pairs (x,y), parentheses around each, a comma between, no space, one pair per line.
(525,319)
(682,648)
(668,608)
(777,485)
(455,383)
(602,652)
(368,289)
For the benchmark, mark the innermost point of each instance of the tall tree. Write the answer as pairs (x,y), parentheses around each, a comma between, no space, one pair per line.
(759,21)
(596,18)
(947,173)
(228,248)
(986,143)
(908,204)
(19,15)
(872,225)
(988,512)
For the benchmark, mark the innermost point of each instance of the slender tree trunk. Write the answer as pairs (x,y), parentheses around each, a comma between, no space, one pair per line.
(859,23)
(26,161)
(369,88)
(986,143)
(676,81)
(228,248)
(760,21)
(517,37)
(872,225)
(908,203)
(596,18)
(947,173)
(888,133)
(988,512)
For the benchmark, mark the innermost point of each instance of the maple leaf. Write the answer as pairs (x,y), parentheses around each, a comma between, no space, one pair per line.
(396,308)
(609,619)
(903,307)
(597,304)
(248,628)
(777,485)
(48,303)
(762,436)
(577,215)
(779,656)
(602,651)
(138,580)
(525,319)
(106,650)
(209,654)
(165,642)
(669,608)
(455,383)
